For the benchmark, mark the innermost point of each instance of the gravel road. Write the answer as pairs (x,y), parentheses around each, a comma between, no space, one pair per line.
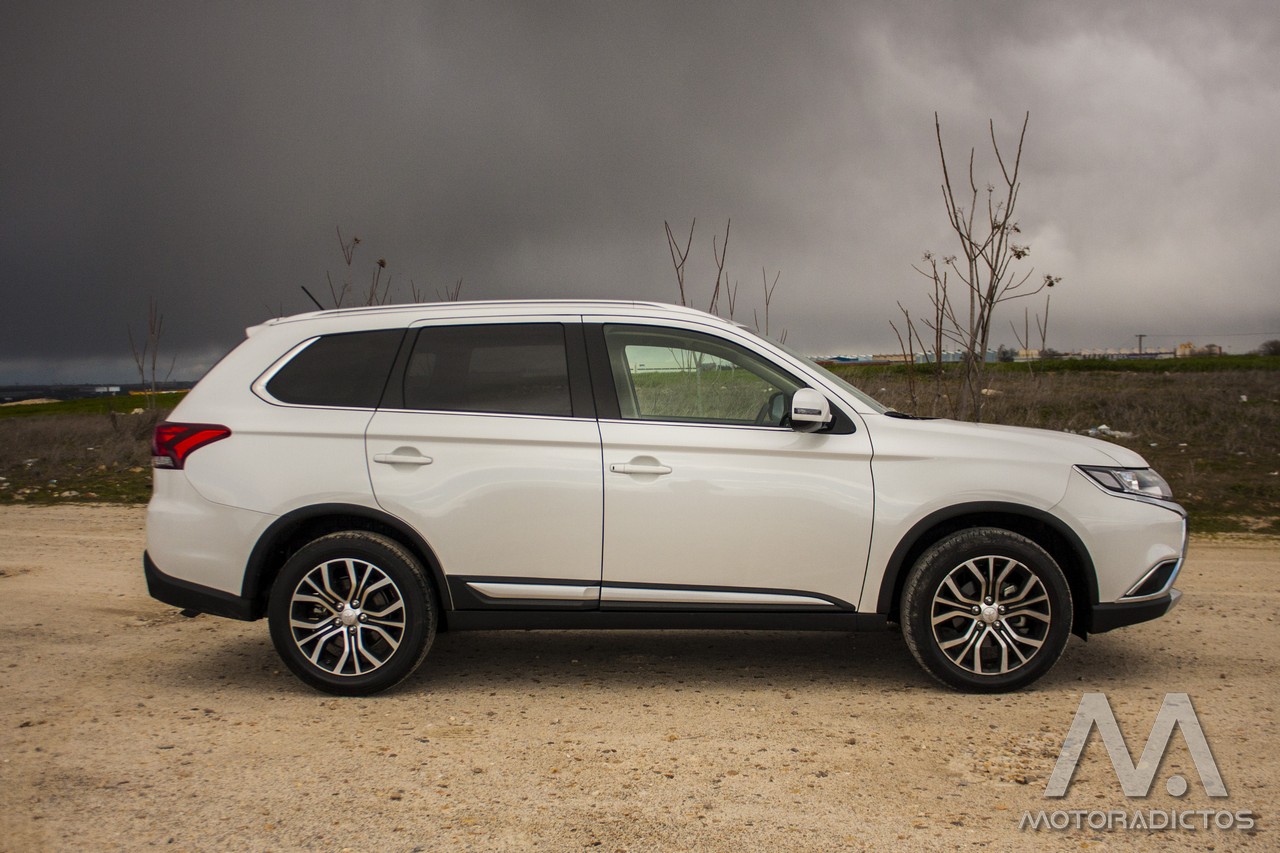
(126,726)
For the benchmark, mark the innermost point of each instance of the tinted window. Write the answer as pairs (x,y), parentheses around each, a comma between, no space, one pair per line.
(507,368)
(339,370)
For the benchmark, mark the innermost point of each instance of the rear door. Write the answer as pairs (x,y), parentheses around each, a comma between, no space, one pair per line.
(487,444)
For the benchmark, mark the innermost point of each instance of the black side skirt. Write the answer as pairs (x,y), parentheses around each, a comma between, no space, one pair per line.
(492,620)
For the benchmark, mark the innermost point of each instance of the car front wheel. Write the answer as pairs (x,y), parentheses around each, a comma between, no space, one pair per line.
(352,613)
(986,610)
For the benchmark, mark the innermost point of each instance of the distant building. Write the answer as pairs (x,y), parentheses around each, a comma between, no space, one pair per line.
(948,357)
(1025,354)
(1189,349)
(1123,354)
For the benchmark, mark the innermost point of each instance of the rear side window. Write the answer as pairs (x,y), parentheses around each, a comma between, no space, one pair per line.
(509,368)
(348,370)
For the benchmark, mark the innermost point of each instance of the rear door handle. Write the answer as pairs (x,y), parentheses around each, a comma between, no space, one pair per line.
(633,468)
(402,459)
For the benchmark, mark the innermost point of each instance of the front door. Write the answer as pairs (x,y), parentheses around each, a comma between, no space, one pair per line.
(711,500)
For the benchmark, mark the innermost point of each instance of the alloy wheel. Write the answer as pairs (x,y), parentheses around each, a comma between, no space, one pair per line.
(990,615)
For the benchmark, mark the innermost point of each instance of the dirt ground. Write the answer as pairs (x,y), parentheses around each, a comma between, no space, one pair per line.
(126,726)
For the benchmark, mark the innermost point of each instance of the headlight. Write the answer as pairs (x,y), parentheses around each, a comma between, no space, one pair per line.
(1134,481)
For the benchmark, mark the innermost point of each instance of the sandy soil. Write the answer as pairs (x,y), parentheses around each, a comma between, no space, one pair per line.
(126,726)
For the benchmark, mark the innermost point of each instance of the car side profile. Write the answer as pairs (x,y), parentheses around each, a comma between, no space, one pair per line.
(364,478)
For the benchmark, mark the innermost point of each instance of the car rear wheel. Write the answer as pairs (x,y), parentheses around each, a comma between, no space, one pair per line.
(986,610)
(352,613)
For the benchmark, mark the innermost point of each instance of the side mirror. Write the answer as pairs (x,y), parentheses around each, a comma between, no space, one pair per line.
(810,411)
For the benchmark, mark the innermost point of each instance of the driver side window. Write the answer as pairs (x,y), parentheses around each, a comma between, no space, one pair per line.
(678,375)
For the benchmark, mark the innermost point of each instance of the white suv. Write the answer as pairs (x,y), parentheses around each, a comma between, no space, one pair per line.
(367,477)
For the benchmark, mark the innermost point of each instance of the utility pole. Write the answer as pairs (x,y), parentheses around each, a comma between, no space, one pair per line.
(1139,337)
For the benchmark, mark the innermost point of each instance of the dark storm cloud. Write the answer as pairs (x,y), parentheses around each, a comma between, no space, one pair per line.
(204,154)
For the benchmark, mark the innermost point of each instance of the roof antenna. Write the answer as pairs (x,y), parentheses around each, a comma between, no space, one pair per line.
(312,298)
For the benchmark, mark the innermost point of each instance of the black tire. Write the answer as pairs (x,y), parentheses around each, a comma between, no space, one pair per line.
(986,610)
(335,641)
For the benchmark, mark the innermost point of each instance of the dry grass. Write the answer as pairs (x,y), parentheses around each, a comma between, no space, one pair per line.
(47,458)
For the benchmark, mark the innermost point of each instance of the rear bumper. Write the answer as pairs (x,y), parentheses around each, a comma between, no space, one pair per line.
(193,596)
(1105,617)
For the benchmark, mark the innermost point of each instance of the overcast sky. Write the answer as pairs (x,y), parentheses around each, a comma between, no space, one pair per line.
(203,154)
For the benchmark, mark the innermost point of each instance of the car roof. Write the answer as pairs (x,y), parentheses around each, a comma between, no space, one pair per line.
(369,316)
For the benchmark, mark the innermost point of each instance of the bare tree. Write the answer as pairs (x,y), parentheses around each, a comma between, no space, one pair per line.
(768,301)
(146,353)
(348,248)
(378,292)
(1042,328)
(451,292)
(934,352)
(985,268)
(720,254)
(680,256)
(721,286)
(376,296)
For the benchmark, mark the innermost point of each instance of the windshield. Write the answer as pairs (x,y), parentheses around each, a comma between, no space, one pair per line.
(870,402)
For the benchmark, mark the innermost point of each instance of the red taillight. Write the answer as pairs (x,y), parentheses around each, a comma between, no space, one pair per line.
(173,443)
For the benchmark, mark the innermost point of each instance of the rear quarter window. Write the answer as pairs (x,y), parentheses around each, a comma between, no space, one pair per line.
(347,370)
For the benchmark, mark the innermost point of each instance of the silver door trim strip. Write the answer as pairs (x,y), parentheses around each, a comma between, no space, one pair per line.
(700,596)
(562,592)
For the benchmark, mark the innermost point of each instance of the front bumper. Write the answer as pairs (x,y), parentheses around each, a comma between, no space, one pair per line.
(1105,617)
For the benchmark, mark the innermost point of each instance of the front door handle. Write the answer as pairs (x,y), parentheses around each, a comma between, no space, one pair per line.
(399,458)
(633,468)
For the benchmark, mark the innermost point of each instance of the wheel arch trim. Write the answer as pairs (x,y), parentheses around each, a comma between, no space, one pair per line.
(263,563)
(985,514)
